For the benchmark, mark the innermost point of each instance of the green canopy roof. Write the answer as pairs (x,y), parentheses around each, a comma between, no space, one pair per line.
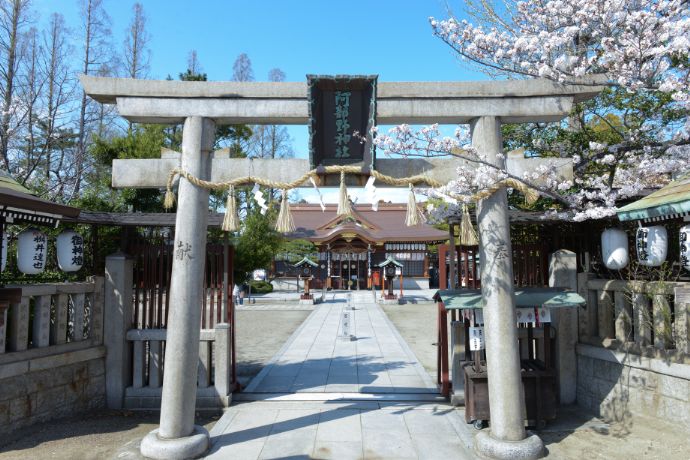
(306,261)
(461,299)
(9,182)
(668,202)
(20,205)
(390,261)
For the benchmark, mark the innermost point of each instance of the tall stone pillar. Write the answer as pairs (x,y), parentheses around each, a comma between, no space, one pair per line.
(563,273)
(507,438)
(177,436)
(118,318)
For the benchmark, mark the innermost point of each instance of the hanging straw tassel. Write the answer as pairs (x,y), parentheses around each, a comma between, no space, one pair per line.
(412,218)
(468,236)
(285,224)
(231,221)
(343,200)
(169,200)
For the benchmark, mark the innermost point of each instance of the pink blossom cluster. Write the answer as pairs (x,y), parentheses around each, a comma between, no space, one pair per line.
(633,42)
(640,46)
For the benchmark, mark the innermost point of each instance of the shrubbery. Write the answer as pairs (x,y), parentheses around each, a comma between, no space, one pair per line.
(261,287)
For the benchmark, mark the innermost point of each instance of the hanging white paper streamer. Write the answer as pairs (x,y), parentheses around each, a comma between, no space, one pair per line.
(370,190)
(478,316)
(321,203)
(259,198)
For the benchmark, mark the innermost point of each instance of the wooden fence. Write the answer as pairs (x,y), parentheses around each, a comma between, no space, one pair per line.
(152,271)
(530,265)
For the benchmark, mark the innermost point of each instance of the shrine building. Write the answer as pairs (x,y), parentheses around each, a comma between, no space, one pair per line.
(351,246)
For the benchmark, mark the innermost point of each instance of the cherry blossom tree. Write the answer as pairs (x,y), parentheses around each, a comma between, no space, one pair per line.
(633,136)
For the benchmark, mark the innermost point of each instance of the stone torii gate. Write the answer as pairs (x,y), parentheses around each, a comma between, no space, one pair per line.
(200,106)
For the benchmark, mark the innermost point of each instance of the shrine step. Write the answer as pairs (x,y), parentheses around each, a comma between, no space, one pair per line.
(393,397)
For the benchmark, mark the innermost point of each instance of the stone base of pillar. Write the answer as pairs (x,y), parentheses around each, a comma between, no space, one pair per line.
(488,447)
(393,301)
(457,399)
(192,446)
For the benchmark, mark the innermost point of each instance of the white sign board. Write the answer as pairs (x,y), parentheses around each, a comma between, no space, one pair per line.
(476,338)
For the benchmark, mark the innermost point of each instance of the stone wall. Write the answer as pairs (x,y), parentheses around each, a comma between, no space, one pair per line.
(52,387)
(618,386)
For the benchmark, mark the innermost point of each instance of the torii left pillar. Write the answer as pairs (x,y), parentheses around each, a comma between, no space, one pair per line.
(507,438)
(178,437)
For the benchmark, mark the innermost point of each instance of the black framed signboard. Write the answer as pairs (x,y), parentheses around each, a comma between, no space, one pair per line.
(340,106)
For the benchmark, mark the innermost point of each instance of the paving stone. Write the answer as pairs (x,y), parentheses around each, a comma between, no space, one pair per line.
(299,425)
(388,444)
(340,425)
(337,450)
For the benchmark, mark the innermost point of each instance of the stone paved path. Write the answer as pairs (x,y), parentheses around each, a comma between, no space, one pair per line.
(344,386)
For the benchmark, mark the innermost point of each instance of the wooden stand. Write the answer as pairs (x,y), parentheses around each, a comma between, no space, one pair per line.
(538,380)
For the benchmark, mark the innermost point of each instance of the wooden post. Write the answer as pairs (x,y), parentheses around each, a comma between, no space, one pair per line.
(452,276)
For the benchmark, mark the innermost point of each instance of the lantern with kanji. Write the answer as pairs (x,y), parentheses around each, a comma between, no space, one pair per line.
(652,245)
(685,247)
(70,251)
(32,249)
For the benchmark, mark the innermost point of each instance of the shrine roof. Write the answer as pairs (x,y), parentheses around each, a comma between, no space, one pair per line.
(20,204)
(671,201)
(386,224)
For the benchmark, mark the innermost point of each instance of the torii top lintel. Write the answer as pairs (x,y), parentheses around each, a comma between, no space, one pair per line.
(170,102)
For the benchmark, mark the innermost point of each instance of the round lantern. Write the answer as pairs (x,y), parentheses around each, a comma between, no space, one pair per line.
(3,252)
(614,248)
(685,247)
(32,248)
(70,251)
(652,245)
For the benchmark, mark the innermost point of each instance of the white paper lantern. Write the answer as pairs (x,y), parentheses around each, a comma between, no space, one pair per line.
(32,248)
(685,247)
(652,245)
(3,251)
(70,251)
(614,248)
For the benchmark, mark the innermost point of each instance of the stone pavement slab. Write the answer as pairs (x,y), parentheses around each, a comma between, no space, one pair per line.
(344,386)
(341,430)
(347,344)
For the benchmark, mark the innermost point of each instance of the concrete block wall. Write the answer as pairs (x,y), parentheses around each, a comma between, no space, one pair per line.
(618,386)
(75,384)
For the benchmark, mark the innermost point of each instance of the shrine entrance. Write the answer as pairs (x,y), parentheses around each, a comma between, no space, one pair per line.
(335,107)
(349,267)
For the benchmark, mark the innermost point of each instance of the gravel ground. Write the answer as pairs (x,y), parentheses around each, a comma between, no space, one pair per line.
(116,434)
(417,324)
(260,334)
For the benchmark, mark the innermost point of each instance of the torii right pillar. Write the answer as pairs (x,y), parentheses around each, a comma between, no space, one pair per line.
(507,438)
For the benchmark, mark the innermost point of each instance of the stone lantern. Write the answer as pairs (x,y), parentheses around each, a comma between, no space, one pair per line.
(305,269)
(390,268)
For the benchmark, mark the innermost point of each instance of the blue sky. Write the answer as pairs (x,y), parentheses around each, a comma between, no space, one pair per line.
(390,38)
